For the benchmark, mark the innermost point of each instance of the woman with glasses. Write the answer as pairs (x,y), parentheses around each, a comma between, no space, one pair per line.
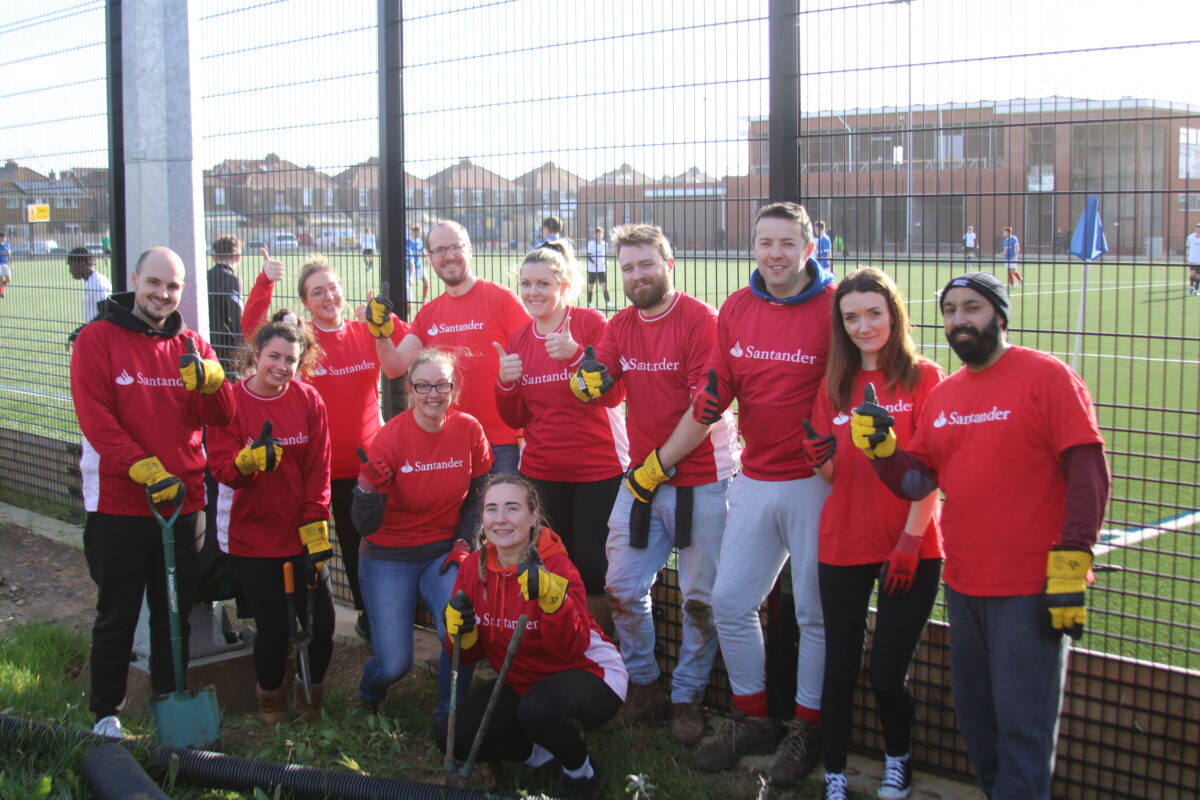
(347,378)
(575,453)
(417,509)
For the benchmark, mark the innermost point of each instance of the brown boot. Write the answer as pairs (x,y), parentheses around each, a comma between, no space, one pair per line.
(272,706)
(643,703)
(307,711)
(687,723)
(601,611)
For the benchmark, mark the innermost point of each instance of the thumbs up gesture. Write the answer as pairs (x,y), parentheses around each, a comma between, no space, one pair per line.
(591,380)
(379,314)
(271,268)
(261,455)
(871,427)
(205,375)
(560,345)
(510,365)
(818,449)
(706,403)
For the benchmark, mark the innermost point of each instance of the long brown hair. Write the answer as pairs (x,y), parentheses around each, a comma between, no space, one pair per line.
(898,359)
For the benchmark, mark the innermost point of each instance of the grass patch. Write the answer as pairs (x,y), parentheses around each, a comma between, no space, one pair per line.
(40,665)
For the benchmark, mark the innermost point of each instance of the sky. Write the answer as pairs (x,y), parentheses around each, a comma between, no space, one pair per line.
(663,85)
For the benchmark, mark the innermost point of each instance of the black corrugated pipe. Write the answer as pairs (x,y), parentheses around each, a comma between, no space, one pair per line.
(113,774)
(220,771)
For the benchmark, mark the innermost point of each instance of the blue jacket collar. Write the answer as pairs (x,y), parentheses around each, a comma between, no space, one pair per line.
(820,277)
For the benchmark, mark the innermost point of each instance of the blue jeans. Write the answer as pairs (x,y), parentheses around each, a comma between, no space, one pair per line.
(1006,673)
(631,574)
(390,591)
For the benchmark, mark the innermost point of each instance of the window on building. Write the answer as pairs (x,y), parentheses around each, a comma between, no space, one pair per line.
(218,195)
(1189,201)
(12,202)
(329,197)
(362,198)
(457,195)
(66,202)
(477,197)
(308,197)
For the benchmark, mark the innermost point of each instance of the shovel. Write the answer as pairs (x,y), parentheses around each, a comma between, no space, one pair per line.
(181,718)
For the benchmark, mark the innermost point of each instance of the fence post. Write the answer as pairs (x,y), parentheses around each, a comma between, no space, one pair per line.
(116,145)
(784,75)
(392,201)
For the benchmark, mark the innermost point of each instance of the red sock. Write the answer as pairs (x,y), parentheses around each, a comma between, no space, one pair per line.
(752,705)
(812,715)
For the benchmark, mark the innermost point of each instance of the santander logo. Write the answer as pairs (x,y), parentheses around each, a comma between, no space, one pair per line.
(124,379)
(624,364)
(320,370)
(940,422)
(408,467)
(736,351)
(433,330)
(841,419)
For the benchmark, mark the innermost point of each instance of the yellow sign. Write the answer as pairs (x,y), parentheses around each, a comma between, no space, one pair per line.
(37,212)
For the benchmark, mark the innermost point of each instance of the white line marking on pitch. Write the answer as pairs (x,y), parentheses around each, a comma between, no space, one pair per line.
(1110,540)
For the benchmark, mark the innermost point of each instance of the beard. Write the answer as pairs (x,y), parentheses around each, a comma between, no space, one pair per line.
(980,346)
(648,296)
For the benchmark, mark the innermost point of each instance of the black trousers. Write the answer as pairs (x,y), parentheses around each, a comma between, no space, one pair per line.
(340,497)
(553,713)
(845,593)
(125,559)
(578,512)
(262,581)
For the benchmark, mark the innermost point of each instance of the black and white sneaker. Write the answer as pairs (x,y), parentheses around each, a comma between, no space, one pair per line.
(897,778)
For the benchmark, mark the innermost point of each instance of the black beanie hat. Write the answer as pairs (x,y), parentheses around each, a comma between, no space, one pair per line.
(987,285)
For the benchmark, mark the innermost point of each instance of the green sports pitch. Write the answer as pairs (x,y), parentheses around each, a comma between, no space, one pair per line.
(1139,352)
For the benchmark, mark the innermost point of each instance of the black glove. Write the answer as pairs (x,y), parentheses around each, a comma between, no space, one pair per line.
(818,449)
(706,404)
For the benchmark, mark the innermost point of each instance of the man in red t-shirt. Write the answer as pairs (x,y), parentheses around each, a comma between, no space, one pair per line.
(466,319)
(772,342)
(658,348)
(1011,439)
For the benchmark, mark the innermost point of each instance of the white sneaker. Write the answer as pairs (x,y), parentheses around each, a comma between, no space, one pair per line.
(835,786)
(110,727)
(897,778)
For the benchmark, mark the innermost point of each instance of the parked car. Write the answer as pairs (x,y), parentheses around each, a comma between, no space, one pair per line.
(337,239)
(282,241)
(45,247)
(95,248)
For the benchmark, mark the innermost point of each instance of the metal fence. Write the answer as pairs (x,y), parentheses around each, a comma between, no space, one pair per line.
(899,124)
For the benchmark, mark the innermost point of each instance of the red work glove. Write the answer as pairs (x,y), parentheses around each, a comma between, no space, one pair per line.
(897,572)
(457,555)
(706,405)
(373,473)
(818,449)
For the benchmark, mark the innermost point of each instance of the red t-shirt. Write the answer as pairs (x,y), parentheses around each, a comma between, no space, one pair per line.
(661,361)
(432,474)
(995,438)
(467,326)
(771,356)
(347,378)
(862,520)
(565,440)
(259,514)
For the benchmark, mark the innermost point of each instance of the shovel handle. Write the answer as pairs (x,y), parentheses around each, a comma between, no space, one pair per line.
(289,578)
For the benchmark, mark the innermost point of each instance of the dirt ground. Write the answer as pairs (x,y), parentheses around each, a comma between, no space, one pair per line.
(41,579)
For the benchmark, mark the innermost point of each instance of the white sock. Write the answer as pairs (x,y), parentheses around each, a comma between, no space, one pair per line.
(538,756)
(584,771)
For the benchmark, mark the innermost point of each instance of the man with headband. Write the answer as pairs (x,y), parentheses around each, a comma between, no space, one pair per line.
(1012,441)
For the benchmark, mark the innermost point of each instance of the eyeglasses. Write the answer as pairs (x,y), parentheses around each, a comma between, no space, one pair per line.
(445,387)
(442,252)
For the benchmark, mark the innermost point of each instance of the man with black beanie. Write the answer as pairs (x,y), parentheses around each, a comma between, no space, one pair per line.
(1012,441)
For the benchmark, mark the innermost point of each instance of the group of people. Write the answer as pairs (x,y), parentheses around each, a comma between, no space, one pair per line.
(514,486)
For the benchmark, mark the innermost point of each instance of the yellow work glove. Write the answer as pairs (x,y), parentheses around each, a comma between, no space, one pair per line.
(1066,582)
(548,589)
(871,427)
(591,379)
(261,455)
(380,321)
(164,487)
(642,482)
(199,373)
(315,536)
(460,620)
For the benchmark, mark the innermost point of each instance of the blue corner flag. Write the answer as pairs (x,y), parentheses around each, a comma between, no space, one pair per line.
(1089,243)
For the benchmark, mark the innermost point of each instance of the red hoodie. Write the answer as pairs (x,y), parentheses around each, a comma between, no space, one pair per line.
(567,639)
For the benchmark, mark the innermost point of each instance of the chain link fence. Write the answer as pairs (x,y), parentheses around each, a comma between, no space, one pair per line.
(903,126)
